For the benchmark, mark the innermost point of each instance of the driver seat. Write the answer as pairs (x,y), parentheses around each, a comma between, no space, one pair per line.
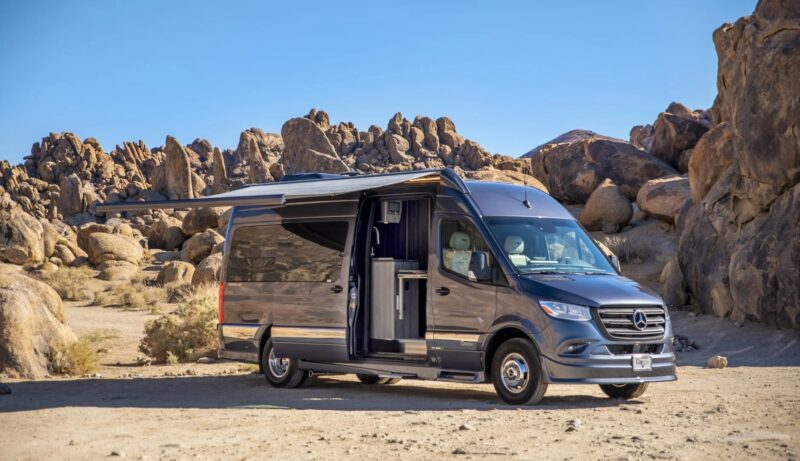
(457,256)
(514,247)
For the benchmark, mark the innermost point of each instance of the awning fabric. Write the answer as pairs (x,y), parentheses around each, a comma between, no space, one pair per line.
(277,193)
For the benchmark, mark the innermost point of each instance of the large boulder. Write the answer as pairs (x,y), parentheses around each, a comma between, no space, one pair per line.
(208,271)
(178,171)
(220,172)
(710,157)
(307,149)
(572,171)
(166,233)
(70,200)
(114,270)
(175,272)
(32,325)
(739,248)
(674,134)
(21,239)
(512,177)
(607,209)
(663,198)
(104,247)
(200,219)
(199,246)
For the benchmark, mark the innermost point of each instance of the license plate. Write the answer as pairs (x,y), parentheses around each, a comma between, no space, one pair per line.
(642,363)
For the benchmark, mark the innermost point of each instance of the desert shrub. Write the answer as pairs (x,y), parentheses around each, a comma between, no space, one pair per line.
(77,358)
(102,298)
(629,251)
(70,282)
(132,296)
(186,334)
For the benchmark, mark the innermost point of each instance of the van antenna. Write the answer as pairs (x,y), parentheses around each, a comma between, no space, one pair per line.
(526,202)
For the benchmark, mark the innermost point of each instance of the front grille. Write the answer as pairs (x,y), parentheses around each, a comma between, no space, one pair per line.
(618,321)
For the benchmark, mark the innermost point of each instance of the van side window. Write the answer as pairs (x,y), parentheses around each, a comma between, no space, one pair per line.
(458,240)
(288,252)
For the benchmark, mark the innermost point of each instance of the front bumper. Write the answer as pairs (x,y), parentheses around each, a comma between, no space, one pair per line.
(615,369)
(601,360)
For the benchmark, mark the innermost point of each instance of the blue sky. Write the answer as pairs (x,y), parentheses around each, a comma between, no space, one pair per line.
(511,75)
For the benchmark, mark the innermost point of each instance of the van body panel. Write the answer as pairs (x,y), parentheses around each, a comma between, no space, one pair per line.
(317,333)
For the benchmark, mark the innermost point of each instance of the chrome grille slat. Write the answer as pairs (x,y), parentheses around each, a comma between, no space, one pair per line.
(618,321)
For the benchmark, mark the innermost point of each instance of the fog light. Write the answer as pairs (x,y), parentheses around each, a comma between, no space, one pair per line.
(576,348)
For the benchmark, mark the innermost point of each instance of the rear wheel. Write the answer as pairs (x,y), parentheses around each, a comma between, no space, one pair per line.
(624,391)
(375,379)
(281,371)
(517,373)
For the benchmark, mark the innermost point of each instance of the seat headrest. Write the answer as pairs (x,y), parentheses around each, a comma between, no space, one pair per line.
(460,241)
(514,245)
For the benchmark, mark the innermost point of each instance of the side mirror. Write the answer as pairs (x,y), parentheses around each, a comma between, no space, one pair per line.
(615,262)
(479,266)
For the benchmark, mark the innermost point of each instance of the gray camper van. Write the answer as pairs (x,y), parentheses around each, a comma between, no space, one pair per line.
(423,275)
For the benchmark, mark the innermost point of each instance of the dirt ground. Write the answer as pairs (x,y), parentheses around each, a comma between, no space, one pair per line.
(224,411)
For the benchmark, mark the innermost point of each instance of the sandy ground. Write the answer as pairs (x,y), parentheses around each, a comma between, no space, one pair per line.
(223,411)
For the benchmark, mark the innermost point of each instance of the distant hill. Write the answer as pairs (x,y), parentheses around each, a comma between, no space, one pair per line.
(568,137)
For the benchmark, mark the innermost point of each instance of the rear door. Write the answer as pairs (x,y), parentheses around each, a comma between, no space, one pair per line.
(294,275)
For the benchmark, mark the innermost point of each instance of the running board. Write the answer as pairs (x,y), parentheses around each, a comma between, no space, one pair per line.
(395,370)
(459,377)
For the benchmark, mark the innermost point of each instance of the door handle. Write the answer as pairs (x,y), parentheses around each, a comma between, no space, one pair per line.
(337,289)
(444,291)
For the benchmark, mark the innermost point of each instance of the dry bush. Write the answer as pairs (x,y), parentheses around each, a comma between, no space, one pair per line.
(132,296)
(103,298)
(629,251)
(187,334)
(70,282)
(78,358)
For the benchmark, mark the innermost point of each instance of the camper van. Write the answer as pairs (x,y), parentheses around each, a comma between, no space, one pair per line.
(422,275)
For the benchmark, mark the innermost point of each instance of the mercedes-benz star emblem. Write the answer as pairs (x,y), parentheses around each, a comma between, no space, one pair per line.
(639,320)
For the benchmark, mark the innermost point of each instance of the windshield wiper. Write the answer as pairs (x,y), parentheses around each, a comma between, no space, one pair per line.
(547,272)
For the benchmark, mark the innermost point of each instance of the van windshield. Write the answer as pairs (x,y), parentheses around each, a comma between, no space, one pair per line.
(547,246)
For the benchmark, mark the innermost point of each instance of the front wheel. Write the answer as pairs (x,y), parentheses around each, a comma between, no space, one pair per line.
(281,371)
(517,373)
(624,391)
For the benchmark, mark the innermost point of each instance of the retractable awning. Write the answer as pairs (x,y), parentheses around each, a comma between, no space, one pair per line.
(277,193)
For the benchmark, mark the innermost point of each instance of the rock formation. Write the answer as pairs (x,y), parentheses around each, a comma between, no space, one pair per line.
(739,250)
(32,324)
(573,170)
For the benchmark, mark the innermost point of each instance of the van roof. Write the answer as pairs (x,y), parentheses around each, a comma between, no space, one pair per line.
(504,199)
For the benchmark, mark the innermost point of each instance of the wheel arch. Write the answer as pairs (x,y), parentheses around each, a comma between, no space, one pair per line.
(262,336)
(501,334)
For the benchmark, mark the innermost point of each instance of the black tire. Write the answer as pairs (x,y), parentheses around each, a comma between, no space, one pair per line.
(517,373)
(624,391)
(374,379)
(291,377)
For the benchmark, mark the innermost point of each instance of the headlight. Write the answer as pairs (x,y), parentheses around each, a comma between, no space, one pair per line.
(566,311)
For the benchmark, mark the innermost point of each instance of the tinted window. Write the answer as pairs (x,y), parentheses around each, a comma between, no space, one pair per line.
(459,239)
(293,252)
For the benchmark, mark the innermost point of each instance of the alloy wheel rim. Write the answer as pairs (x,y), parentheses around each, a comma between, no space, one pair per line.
(278,366)
(515,373)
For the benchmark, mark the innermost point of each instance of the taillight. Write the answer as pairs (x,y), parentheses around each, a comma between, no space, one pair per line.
(221,302)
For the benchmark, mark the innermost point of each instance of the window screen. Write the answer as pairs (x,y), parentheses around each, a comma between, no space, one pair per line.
(289,252)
